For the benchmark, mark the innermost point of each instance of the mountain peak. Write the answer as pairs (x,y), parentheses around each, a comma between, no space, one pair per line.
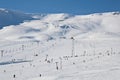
(52,26)
(10,17)
(3,10)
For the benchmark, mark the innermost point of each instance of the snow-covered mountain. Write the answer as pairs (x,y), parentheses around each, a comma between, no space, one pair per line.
(10,17)
(52,26)
(42,48)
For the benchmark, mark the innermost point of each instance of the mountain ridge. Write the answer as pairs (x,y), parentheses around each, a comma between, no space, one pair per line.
(10,17)
(52,26)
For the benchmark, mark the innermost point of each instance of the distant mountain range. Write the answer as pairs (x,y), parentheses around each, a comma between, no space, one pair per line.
(21,26)
(9,17)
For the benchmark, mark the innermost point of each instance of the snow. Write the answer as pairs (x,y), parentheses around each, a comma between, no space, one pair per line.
(43,78)
(28,66)
(10,17)
(105,25)
(42,49)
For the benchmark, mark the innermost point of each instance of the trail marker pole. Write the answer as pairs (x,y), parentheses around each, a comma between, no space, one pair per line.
(73,47)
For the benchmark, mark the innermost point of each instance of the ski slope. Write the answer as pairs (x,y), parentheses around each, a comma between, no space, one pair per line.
(95,59)
(42,49)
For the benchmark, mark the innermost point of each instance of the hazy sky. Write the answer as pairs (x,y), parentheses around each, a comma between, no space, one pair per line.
(62,6)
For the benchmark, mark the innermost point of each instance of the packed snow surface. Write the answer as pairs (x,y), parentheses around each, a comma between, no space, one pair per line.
(61,47)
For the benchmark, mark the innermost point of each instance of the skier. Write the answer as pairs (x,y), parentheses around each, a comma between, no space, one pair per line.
(40,75)
(14,76)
